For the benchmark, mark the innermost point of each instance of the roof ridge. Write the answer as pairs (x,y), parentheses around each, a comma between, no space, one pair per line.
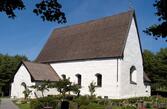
(34,62)
(96,20)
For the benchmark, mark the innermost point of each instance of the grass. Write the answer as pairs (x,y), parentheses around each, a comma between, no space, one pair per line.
(24,106)
(95,106)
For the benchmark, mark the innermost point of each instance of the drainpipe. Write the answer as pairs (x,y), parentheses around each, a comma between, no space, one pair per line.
(117,70)
(117,80)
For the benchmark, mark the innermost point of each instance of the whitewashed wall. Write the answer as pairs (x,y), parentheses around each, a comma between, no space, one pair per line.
(17,89)
(132,57)
(88,69)
(51,91)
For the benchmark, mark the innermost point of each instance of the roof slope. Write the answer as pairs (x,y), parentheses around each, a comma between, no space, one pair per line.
(40,72)
(102,38)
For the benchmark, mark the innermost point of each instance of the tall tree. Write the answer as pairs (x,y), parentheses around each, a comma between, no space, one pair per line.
(159,30)
(155,65)
(48,10)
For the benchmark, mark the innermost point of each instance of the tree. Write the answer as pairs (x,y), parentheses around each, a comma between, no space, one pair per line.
(48,10)
(8,67)
(75,89)
(159,30)
(26,91)
(92,88)
(42,87)
(149,63)
(155,65)
(64,85)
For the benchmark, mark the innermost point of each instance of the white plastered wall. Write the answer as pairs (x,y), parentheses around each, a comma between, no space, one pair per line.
(22,75)
(88,69)
(132,57)
(50,91)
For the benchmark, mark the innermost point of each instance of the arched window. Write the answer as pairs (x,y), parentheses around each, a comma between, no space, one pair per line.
(133,75)
(99,80)
(63,76)
(79,79)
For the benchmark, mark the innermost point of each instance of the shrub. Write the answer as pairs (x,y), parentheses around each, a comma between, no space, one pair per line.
(69,97)
(103,102)
(82,100)
(83,107)
(42,102)
(129,107)
(95,106)
(148,105)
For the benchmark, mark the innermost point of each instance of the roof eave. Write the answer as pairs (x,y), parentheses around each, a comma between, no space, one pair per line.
(72,60)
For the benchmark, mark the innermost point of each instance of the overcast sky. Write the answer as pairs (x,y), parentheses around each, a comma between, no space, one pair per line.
(27,34)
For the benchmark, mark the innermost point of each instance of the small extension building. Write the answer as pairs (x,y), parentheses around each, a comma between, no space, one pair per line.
(106,51)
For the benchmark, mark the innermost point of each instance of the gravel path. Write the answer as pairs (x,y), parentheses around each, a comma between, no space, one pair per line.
(6,103)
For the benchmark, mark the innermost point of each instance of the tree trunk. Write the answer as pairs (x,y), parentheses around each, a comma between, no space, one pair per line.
(42,94)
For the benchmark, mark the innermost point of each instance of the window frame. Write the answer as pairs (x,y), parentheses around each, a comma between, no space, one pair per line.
(99,80)
(133,70)
(79,79)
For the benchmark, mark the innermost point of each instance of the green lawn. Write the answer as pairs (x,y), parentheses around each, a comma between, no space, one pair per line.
(24,106)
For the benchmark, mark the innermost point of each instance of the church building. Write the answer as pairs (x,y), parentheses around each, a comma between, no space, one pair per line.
(107,51)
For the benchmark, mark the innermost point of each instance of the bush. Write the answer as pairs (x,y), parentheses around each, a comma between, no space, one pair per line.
(42,102)
(95,106)
(69,97)
(83,107)
(148,105)
(129,107)
(103,102)
(82,100)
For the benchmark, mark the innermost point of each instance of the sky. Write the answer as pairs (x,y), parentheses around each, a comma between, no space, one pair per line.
(27,33)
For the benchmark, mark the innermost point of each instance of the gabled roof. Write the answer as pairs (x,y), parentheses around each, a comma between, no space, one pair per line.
(40,72)
(102,38)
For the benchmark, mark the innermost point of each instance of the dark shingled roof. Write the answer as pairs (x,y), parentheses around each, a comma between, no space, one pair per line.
(102,38)
(40,72)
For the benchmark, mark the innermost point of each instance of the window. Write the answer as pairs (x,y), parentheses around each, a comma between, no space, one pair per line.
(79,79)
(146,87)
(63,76)
(133,75)
(99,80)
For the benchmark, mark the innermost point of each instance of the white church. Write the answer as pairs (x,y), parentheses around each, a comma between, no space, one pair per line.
(106,51)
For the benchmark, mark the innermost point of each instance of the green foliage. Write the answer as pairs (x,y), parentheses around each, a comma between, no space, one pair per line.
(92,88)
(159,30)
(24,106)
(75,89)
(8,67)
(48,10)
(82,100)
(42,87)
(129,107)
(95,106)
(43,102)
(155,65)
(148,105)
(64,85)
